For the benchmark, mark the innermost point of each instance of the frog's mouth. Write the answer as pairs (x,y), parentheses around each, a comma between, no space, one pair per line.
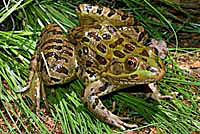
(137,77)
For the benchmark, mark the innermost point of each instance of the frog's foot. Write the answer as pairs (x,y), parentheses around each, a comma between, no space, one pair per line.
(95,105)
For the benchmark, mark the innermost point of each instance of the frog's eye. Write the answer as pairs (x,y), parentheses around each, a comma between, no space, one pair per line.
(131,63)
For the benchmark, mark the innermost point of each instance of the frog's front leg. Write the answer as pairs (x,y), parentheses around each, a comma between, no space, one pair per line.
(95,105)
(155,94)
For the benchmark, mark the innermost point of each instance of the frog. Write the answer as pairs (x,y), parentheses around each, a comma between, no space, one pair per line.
(107,52)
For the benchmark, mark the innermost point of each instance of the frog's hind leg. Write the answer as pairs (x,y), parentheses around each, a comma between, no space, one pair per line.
(33,88)
(95,105)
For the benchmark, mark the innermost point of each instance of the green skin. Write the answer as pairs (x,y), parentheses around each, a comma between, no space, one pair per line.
(106,52)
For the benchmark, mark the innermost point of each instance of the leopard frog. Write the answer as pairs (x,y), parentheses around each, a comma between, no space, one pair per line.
(106,52)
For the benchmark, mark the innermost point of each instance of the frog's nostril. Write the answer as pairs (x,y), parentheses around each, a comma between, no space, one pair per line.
(152,69)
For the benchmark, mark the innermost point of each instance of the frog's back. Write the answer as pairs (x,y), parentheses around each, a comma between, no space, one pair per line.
(89,14)
(105,51)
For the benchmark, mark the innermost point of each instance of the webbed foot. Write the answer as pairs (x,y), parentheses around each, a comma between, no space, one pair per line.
(95,105)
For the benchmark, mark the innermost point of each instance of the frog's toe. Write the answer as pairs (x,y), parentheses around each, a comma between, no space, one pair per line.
(124,118)
(116,121)
(165,97)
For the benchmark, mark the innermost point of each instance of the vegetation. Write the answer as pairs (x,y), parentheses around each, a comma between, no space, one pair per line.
(21,22)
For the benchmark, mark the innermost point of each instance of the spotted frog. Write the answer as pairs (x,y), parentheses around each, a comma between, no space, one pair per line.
(107,52)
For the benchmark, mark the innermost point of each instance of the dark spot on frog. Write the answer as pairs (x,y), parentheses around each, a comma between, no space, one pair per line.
(79,52)
(129,47)
(111,29)
(62,70)
(88,8)
(103,108)
(76,69)
(68,47)
(101,47)
(144,59)
(96,101)
(136,29)
(94,35)
(85,50)
(79,9)
(111,13)
(88,63)
(106,36)
(53,47)
(85,39)
(66,60)
(91,34)
(156,51)
(104,87)
(124,17)
(90,73)
(67,52)
(147,42)
(119,54)
(159,64)
(54,80)
(92,94)
(141,36)
(145,53)
(99,10)
(97,38)
(51,41)
(101,59)
(33,57)
(112,45)
(38,44)
(51,54)
(91,90)
(94,106)
(117,42)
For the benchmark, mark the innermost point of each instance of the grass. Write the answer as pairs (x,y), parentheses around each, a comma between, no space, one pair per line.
(21,23)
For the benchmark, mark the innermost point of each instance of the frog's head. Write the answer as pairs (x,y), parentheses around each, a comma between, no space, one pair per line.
(135,65)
